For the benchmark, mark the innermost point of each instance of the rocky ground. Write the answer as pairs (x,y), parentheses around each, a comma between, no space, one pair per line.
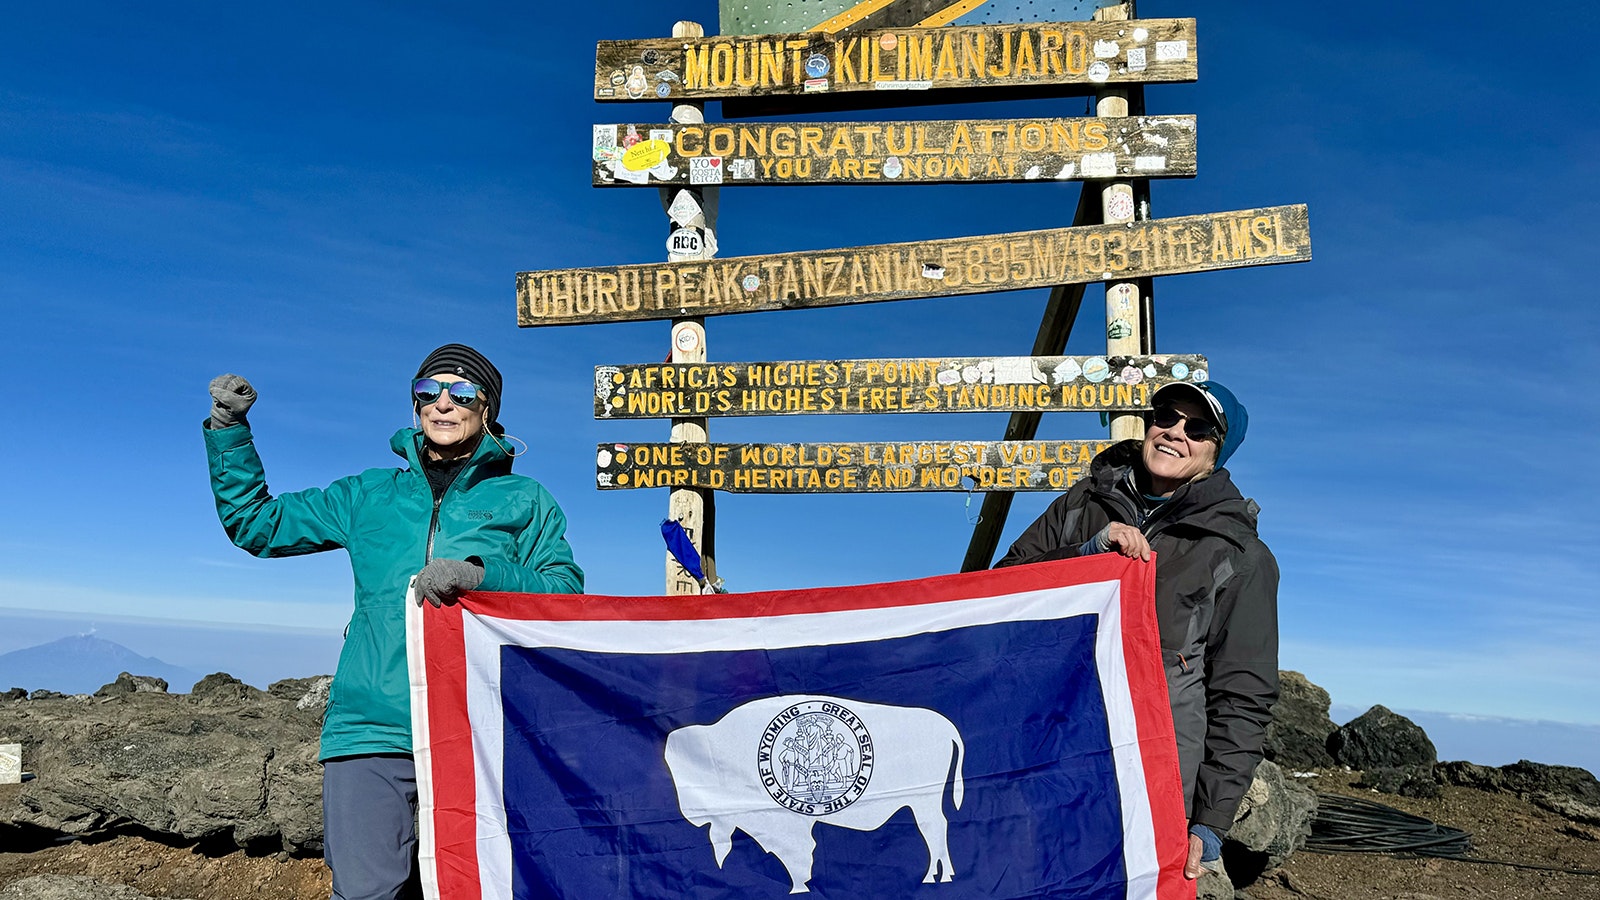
(213,795)
(1503,827)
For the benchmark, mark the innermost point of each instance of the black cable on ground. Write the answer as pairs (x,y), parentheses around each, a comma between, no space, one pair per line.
(1353,825)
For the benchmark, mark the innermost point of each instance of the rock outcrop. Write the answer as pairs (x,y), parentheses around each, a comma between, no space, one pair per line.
(227,763)
(1393,753)
(1297,738)
(1564,790)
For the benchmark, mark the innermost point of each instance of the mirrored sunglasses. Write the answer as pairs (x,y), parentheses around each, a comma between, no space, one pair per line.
(462,393)
(1193,429)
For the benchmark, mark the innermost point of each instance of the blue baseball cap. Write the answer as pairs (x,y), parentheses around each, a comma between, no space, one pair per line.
(1226,411)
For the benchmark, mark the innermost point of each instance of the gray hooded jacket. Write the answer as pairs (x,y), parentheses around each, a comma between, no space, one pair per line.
(1216,605)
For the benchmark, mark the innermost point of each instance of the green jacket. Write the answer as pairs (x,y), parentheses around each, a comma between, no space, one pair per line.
(384,518)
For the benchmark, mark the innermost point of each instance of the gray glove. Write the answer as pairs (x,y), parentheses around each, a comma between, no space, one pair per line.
(441,581)
(231,397)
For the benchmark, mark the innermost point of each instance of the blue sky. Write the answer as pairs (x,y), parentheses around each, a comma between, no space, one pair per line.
(314,196)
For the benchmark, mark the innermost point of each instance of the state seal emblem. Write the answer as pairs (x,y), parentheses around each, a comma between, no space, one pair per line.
(815,757)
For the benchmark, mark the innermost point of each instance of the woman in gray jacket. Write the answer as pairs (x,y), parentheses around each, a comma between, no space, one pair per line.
(1216,587)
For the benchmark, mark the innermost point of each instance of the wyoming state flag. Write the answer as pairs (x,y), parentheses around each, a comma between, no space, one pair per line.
(987,735)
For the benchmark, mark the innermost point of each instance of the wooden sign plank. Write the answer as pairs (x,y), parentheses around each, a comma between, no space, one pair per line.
(906,59)
(952,151)
(872,386)
(952,266)
(832,16)
(847,468)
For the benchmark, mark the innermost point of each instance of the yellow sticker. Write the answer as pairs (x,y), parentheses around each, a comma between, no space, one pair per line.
(645,155)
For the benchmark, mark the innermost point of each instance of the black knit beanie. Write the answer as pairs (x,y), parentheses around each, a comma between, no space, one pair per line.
(459,359)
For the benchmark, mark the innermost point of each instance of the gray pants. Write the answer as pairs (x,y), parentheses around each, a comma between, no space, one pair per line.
(369,824)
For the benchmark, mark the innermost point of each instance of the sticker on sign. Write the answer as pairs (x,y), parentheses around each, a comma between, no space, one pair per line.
(685,241)
(705,170)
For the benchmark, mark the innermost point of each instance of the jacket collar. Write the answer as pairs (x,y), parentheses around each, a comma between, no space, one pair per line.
(1212,503)
(487,461)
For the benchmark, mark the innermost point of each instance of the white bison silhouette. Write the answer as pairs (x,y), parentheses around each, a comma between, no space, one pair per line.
(732,775)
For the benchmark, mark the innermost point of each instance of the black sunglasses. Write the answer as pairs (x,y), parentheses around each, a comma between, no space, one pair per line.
(1194,429)
(427,390)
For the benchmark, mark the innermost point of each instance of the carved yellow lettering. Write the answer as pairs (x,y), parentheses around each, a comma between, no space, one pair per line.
(1003,67)
(696,67)
(918,57)
(1027,63)
(721,65)
(783,138)
(746,66)
(1050,50)
(753,141)
(947,67)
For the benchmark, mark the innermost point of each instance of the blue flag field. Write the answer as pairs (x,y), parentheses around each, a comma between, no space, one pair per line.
(986,735)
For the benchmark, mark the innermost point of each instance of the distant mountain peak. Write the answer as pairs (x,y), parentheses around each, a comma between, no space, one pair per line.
(82,663)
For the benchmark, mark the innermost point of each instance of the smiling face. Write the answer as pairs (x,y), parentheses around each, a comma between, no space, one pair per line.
(450,430)
(1171,457)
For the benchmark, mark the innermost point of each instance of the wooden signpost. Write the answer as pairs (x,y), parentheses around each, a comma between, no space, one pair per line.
(873,386)
(981,150)
(903,52)
(907,59)
(970,265)
(848,467)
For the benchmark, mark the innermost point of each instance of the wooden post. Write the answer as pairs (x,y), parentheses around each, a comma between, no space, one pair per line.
(1054,329)
(1124,319)
(686,505)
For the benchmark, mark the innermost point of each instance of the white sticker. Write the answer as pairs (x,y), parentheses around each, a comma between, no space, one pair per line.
(901,85)
(664,171)
(605,142)
(892,167)
(626,174)
(603,478)
(1136,59)
(1017,370)
(971,374)
(1067,371)
(711,245)
(1172,51)
(603,459)
(1149,163)
(661,134)
(686,339)
(1068,170)
(1119,207)
(933,270)
(1141,35)
(684,242)
(683,209)
(1032,173)
(1100,165)
(741,169)
(1099,71)
(1106,49)
(705,170)
(1121,296)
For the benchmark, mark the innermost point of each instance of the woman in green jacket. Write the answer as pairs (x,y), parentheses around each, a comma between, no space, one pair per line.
(456,518)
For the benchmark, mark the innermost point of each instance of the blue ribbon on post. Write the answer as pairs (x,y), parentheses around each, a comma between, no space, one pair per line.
(682,548)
